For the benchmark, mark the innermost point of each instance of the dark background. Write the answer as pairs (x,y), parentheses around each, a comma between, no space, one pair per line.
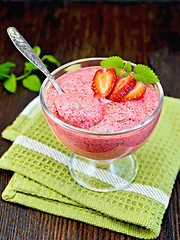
(147,33)
(95,1)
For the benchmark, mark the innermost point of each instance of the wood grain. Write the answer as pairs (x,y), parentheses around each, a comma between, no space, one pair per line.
(143,33)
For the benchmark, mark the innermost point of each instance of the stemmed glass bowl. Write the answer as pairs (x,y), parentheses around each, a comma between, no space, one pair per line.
(100,161)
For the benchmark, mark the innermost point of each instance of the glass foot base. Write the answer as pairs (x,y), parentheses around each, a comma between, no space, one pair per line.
(103,176)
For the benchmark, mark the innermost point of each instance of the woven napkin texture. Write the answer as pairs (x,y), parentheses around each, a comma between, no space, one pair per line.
(43,183)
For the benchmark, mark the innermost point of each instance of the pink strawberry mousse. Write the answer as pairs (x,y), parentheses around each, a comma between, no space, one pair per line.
(78,109)
(81,107)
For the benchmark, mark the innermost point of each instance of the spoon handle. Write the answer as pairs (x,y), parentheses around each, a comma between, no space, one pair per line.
(23,46)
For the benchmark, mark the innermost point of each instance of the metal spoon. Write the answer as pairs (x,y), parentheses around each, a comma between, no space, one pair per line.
(23,46)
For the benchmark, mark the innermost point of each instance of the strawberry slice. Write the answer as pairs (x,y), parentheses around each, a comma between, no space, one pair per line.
(103,81)
(136,93)
(122,87)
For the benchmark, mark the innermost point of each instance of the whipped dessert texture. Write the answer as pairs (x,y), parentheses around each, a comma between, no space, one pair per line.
(81,107)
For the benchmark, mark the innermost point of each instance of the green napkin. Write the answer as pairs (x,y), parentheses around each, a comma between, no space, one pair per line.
(42,179)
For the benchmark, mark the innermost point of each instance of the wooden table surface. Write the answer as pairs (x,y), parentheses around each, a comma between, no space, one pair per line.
(143,33)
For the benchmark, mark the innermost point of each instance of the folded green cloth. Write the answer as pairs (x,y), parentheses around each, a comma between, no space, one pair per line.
(42,179)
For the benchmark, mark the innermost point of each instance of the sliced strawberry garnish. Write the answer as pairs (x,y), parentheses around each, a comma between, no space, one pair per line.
(103,81)
(122,87)
(136,93)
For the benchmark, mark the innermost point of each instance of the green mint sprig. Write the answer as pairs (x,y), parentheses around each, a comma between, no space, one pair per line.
(113,62)
(140,72)
(29,80)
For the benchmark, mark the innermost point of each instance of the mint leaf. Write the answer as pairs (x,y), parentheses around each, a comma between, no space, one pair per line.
(4,72)
(113,62)
(29,81)
(37,50)
(125,74)
(144,74)
(51,59)
(8,64)
(127,67)
(32,82)
(10,84)
(118,71)
(5,69)
(28,66)
(140,72)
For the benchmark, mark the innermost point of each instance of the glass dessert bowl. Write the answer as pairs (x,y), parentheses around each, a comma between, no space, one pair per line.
(100,161)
